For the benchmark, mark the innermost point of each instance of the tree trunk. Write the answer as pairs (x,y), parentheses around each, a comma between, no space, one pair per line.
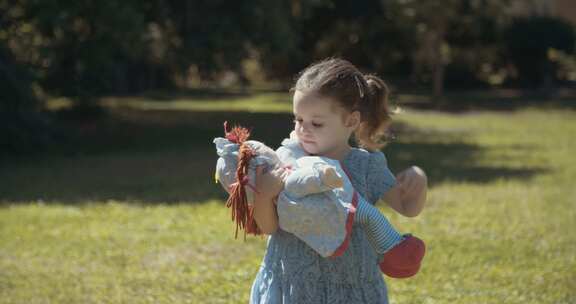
(438,65)
(438,81)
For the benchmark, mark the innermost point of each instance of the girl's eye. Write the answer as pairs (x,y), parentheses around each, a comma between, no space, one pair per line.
(314,124)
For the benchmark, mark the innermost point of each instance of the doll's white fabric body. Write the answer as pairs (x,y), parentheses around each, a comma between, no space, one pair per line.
(323,220)
(319,215)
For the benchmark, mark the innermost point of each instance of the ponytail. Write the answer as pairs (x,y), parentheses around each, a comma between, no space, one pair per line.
(376,115)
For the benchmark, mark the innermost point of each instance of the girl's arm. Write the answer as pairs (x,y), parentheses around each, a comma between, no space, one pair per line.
(269,185)
(408,196)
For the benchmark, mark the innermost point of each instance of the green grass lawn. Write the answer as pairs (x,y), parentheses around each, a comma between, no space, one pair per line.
(129,212)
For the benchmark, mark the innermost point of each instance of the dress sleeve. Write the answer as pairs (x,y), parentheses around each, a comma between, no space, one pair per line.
(380,179)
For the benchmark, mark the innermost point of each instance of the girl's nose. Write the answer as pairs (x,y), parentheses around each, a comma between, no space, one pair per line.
(303,128)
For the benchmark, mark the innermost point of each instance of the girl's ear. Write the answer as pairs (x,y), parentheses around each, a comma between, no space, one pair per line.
(353,120)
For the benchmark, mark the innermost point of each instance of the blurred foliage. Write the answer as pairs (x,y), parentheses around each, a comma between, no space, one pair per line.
(22,126)
(529,42)
(84,49)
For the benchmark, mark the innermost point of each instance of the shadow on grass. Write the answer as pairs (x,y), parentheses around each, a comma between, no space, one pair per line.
(168,157)
(448,157)
(451,162)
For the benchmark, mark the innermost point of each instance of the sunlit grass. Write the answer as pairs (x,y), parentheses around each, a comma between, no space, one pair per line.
(119,253)
(500,221)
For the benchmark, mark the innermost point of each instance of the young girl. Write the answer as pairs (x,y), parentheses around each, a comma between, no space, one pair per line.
(333,101)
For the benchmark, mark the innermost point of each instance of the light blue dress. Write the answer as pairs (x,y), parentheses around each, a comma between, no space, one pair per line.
(292,273)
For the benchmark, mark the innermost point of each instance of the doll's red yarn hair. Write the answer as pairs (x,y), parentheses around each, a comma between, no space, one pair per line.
(242,213)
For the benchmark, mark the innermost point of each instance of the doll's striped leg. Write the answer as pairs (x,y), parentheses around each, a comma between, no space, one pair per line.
(401,255)
(381,234)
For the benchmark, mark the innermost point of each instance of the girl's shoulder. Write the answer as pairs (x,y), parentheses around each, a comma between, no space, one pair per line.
(359,158)
(370,170)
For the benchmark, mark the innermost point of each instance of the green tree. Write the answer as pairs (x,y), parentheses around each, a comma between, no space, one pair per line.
(531,41)
(443,29)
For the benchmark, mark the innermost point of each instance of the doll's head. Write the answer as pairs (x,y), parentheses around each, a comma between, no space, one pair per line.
(236,171)
(235,146)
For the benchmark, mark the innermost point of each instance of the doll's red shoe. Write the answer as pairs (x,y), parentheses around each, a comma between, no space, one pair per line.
(404,259)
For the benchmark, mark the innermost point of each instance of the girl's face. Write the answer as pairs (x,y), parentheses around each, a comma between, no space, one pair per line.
(321,124)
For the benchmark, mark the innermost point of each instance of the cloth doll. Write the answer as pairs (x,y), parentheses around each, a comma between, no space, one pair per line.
(319,205)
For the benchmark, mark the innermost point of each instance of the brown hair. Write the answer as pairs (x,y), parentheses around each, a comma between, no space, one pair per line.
(368,94)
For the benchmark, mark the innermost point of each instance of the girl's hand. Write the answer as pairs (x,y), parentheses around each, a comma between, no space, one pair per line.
(412,183)
(271,183)
(293,135)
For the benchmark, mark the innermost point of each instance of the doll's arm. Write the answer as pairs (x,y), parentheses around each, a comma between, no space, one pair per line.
(312,179)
